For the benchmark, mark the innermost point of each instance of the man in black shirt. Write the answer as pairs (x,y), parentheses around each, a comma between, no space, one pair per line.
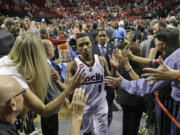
(11,104)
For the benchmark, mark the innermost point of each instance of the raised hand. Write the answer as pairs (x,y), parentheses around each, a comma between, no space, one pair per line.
(123,60)
(112,81)
(128,53)
(76,108)
(162,73)
(114,59)
(75,81)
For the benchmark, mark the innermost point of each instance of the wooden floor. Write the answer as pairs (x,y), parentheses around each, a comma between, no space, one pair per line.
(115,127)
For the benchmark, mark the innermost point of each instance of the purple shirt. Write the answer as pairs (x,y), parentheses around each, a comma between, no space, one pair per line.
(141,88)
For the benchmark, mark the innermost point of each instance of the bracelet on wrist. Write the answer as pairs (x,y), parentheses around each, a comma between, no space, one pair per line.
(128,69)
(153,61)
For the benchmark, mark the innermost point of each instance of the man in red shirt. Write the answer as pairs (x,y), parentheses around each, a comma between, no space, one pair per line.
(45,35)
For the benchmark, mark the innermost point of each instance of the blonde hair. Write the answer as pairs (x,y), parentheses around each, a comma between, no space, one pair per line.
(29,54)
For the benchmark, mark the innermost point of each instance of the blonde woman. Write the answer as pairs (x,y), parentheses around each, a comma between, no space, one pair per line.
(27,63)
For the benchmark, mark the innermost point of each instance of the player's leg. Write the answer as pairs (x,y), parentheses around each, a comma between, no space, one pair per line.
(100,119)
(87,123)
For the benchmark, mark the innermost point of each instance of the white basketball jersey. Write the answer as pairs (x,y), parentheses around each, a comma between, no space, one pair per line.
(94,81)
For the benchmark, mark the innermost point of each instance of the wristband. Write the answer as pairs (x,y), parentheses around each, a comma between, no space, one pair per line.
(156,61)
(153,61)
(178,76)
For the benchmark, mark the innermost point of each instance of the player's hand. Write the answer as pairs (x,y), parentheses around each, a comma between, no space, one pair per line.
(75,81)
(76,108)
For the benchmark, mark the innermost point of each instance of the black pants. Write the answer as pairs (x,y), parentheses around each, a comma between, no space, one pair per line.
(131,119)
(87,134)
(50,125)
(109,97)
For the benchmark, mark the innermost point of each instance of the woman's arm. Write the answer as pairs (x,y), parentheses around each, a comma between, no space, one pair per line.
(141,87)
(162,73)
(123,60)
(36,105)
(131,72)
(152,53)
(137,59)
(62,86)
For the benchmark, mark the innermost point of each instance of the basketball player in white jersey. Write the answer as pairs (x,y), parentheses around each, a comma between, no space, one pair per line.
(95,118)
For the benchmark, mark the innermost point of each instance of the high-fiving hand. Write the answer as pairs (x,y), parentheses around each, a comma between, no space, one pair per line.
(112,81)
(76,107)
(75,81)
(162,73)
(114,59)
(128,53)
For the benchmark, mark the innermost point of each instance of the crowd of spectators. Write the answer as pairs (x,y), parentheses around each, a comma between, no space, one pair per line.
(124,26)
(92,9)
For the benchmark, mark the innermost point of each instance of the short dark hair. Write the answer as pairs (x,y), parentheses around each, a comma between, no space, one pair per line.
(101,30)
(95,25)
(81,35)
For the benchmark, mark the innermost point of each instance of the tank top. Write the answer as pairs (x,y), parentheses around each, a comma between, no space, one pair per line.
(94,81)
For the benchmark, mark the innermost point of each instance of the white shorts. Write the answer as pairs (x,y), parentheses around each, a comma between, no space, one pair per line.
(95,119)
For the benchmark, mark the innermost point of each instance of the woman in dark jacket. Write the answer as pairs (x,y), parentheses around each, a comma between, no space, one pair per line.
(132,105)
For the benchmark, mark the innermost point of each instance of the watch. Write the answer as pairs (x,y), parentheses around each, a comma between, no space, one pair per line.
(128,69)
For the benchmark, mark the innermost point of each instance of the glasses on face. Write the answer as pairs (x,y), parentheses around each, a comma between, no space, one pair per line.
(22,92)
